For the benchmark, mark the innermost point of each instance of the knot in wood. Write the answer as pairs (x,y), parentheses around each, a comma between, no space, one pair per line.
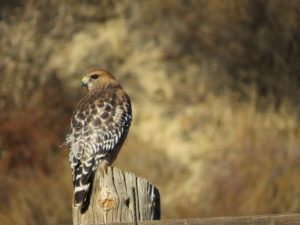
(107,199)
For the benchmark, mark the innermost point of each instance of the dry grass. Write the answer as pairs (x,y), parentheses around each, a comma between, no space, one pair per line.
(214,87)
(251,162)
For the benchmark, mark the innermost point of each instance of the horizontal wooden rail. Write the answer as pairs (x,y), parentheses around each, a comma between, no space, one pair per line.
(289,219)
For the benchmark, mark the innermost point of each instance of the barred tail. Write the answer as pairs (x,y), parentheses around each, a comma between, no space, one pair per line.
(82,181)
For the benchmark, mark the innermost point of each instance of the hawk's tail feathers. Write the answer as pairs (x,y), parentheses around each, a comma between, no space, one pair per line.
(82,181)
(80,195)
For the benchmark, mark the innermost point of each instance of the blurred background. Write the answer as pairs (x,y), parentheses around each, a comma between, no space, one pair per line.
(215,93)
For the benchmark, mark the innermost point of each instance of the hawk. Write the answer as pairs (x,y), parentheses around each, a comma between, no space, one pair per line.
(99,126)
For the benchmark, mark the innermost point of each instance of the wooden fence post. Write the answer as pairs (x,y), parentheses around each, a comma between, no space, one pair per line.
(119,196)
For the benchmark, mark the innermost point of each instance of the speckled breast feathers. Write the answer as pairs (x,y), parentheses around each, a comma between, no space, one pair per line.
(99,127)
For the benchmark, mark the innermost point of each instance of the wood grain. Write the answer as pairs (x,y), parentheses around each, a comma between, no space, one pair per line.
(119,196)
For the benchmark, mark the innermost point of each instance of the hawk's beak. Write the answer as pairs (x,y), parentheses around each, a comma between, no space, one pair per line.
(85,81)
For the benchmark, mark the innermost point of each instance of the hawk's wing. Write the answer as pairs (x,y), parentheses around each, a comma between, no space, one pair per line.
(98,130)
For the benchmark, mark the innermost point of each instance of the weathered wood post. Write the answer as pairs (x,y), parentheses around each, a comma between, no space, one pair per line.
(119,196)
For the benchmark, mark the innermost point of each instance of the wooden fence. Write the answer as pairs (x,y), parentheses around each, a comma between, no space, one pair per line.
(120,197)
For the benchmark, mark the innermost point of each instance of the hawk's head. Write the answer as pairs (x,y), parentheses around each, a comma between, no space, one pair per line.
(98,78)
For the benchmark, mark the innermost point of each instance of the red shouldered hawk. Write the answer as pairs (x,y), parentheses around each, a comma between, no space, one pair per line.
(99,127)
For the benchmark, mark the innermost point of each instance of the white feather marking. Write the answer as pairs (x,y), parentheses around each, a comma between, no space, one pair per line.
(82,187)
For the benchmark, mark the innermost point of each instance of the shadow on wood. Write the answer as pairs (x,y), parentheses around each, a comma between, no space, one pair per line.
(119,196)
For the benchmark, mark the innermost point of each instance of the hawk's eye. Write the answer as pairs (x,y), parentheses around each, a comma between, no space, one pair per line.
(94,76)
